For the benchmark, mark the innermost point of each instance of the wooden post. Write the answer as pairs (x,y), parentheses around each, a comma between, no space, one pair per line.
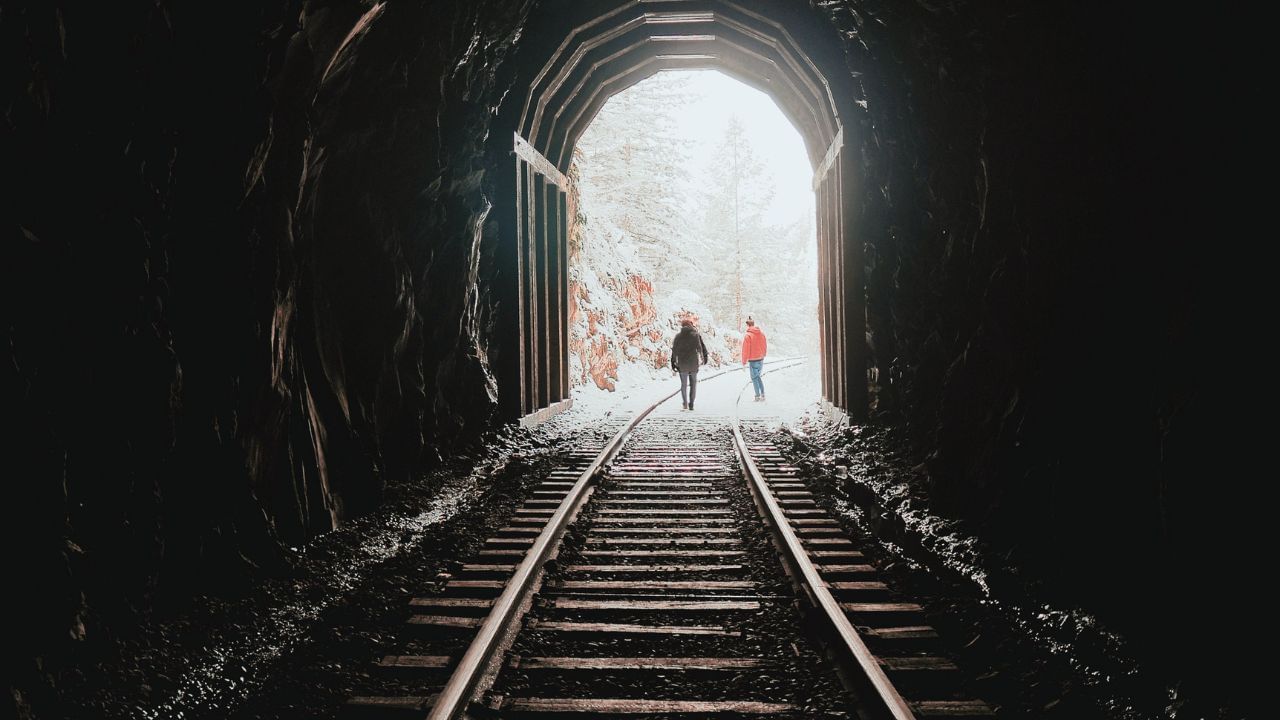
(824,364)
(553,302)
(543,287)
(525,253)
(565,387)
(839,296)
(833,325)
(855,294)
(539,300)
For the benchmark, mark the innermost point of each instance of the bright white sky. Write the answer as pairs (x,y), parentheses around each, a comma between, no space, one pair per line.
(775,139)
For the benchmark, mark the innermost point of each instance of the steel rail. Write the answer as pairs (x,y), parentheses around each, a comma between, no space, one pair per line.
(457,692)
(850,642)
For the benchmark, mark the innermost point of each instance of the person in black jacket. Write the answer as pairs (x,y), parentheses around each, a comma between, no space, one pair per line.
(688,352)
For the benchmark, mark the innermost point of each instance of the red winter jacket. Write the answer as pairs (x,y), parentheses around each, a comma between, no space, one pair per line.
(754,345)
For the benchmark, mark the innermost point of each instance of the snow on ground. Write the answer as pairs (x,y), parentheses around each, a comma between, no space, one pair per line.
(791,389)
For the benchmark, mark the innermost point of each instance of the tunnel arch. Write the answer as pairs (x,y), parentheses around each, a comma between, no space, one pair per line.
(578,55)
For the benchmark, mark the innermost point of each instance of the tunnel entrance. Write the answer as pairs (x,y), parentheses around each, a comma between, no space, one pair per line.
(580,55)
(691,200)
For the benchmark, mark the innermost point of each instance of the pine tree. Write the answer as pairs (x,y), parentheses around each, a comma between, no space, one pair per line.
(748,266)
(635,176)
(733,222)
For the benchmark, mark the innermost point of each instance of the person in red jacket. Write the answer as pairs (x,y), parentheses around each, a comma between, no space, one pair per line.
(754,348)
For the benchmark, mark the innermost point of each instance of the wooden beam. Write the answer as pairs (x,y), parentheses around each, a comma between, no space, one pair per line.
(554,300)
(663,553)
(953,708)
(537,417)
(653,568)
(630,628)
(446,621)
(598,81)
(525,226)
(533,188)
(563,279)
(857,353)
(416,662)
(542,298)
(640,663)
(452,602)
(630,707)
(833,152)
(578,585)
(826,289)
(824,354)
(374,703)
(539,163)
(561,603)
(599,38)
(840,291)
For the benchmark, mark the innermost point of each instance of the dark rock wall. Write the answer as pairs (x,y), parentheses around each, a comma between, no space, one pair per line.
(90,376)
(1009,305)
(1036,300)
(250,258)
(245,285)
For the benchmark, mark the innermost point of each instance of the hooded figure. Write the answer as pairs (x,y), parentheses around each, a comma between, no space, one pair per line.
(754,344)
(688,352)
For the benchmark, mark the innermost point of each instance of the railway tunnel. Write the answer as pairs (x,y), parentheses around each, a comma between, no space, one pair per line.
(268,268)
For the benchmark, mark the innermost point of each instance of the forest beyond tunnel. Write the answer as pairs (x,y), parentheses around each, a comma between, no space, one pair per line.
(250,303)
(690,198)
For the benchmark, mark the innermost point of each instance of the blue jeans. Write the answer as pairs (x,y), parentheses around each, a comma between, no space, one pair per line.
(756,382)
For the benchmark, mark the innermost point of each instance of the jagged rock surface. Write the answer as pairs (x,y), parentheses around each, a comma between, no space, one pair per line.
(252,253)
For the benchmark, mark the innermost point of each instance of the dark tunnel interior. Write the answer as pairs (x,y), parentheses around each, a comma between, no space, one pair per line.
(262,262)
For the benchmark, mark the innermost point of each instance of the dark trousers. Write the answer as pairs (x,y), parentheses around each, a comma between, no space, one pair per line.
(688,387)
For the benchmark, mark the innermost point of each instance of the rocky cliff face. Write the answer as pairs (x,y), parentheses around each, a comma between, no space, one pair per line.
(1033,307)
(245,283)
(614,317)
(602,339)
(250,254)
(618,321)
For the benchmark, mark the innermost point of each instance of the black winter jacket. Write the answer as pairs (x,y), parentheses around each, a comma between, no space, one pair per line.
(687,350)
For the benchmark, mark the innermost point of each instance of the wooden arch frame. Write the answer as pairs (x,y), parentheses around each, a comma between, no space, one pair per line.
(606,47)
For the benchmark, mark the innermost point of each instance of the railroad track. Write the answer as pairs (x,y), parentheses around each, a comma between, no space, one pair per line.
(679,571)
